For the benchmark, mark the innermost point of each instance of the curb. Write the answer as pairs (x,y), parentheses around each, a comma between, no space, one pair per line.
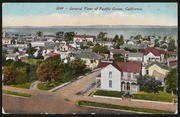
(106,97)
(115,109)
(16,96)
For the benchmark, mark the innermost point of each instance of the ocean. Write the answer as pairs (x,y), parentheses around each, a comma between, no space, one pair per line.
(111,32)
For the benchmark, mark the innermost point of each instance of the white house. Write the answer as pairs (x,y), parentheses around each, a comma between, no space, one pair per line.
(151,55)
(119,76)
(81,38)
(6,40)
(12,56)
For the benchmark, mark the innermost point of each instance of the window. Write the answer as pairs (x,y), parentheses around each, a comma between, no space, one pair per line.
(110,74)
(92,61)
(147,71)
(110,83)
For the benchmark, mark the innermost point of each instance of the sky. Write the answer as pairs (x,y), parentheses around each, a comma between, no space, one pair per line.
(76,14)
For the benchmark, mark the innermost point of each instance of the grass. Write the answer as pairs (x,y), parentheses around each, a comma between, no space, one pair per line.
(25,85)
(16,93)
(42,86)
(31,61)
(109,93)
(111,106)
(160,96)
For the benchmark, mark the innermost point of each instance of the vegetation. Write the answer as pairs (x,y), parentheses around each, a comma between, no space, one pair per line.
(171,46)
(119,59)
(100,49)
(130,49)
(160,96)
(16,93)
(90,43)
(25,85)
(138,37)
(30,50)
(69,36)
(49,70)
(171,81)
(102,36)
(112,106)
(148,83)
(119,41)
(48,86)
(83,47)
(59,34)
(32,61)
(39,34)
(15,50)
(109,93)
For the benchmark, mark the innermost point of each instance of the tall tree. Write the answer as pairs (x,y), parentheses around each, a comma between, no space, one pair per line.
(49,70)
(59,34)
(171,45)
(102,36)
(69,36)
(39,34)
(171,81)
(100,49)
(116,37)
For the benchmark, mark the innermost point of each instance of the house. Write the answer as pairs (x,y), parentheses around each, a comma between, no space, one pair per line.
(119,76)
(6,40)
(152,54)
(81,38)
(118,51)
(91,58)
(22,55)
(12,56)
(172,62)
(135,56)
(51,54)
(156,69)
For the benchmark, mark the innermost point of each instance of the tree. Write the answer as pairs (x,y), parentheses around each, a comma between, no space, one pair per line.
(148,83)
(49,70)
(102,36)
(15,50)
(69,36)
(156,44)
(138,37)
(119,59)
(171,46)
(8,62)
(100,49)
(164,46)
(59,34)
(83,47)
(120,41)
(90,43)
(78,65)
(30,50)
(171,81)
(116,37)
(39,34)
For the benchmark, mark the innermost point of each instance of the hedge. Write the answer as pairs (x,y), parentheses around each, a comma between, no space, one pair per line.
(109,93)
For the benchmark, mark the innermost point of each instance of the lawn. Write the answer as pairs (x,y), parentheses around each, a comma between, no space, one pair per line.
(109,93)
(111,106)
(16,93)
(25,85)
(160,96)
(42,86)
(31,61)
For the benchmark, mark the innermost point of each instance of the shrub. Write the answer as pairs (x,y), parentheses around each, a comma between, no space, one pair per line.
(109,93)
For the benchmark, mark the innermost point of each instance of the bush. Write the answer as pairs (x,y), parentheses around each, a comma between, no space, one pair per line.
(109,93)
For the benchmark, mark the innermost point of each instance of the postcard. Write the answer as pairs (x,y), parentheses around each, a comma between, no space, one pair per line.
(89,58)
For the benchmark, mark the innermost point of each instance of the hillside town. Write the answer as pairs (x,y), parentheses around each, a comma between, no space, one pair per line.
(128,66)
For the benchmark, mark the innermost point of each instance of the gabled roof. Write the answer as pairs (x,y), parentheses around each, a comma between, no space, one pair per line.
(117,51)
(152,50)
(21,52)
(158,64)
(134,67)
(89,55)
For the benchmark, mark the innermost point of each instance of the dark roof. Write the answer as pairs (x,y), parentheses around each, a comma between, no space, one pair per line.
(52,54)
(152,50)
(158,64)
(103,64)
(89,55)
(117,51)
